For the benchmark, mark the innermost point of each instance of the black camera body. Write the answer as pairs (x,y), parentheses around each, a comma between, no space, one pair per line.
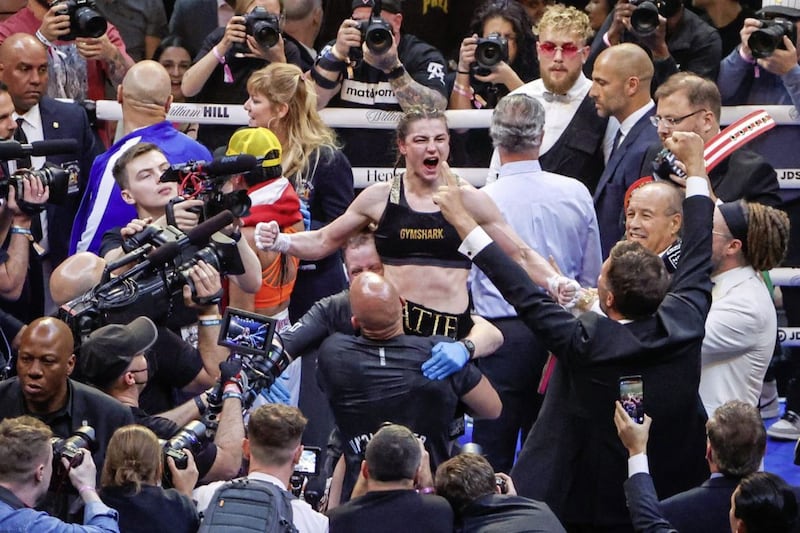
(644,19)
(664,165)
(491,50)
(263,26)
(764,41)
(377,33)
(62,180)
(85,20)
(189,437)
(69,448)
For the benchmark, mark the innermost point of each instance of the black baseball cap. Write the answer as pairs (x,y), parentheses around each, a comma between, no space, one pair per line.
(109,350)
(392,6)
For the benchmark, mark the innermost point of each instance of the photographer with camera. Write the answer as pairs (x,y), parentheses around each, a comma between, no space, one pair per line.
(131,479)
(484,501)
(43,389)
(769,43)
(677,38)
(26,468)
(114,360)
(372,65)
(492,62)
(273,448)
(85,51)
(251,40)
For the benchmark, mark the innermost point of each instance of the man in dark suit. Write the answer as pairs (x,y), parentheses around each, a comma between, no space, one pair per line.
(759,501)
(572,460)
(23,67)
(687,102)
(621,89)
(301,26)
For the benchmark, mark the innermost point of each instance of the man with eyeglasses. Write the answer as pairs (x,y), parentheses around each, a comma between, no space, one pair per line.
(573,142)
(687,102)
(621,89)
(43,389)
(114,360)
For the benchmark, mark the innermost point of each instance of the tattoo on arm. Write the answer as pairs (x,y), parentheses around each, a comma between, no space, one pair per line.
(410,93)
(116,67)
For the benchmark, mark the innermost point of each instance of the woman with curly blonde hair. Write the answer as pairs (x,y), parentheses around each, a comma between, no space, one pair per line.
(282,100)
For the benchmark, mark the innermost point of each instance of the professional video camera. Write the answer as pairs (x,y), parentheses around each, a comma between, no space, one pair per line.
(62,180)
(252,341)
(85,20)
(203,180)
(189,437)
(148,289)
(644,19)
(375,31)
(764,41)
(489,52)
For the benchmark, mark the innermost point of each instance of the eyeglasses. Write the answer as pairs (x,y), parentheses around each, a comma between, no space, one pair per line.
(672,122)
(567,50)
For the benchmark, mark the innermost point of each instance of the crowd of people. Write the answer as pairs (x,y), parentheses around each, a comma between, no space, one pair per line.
(600,310)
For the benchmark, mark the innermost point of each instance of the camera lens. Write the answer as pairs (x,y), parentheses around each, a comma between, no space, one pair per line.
(644,19)
(763,42)
(265,34)
(378,39)
(89,23)
(488,54)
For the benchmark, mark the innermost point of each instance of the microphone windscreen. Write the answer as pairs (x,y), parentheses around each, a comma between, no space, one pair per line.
(54,147)
(10,150)
(200,234)
(164,254)
(232,164)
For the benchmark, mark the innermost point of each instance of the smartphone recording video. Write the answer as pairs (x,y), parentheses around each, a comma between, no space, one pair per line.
(631,396)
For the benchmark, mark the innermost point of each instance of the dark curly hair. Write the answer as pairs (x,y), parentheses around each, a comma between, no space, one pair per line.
(525,64)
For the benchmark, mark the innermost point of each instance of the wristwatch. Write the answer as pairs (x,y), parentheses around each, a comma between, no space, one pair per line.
(470,346)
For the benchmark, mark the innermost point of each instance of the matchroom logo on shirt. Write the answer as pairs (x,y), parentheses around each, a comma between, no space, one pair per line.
(362,93)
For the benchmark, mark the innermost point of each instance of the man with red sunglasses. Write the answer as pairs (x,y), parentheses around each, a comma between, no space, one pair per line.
(573,133)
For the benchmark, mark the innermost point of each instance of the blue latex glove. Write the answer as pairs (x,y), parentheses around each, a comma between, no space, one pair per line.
(306,212)
(446,358)
(276,393)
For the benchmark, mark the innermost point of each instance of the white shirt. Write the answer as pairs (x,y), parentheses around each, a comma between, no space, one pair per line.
(630,121)
(305,519)
(740,339)
(557,115)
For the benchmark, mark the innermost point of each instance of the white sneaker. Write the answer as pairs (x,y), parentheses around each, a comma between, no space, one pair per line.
(787,428)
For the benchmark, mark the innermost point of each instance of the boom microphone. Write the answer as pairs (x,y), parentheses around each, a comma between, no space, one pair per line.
(15,150)
(231,164)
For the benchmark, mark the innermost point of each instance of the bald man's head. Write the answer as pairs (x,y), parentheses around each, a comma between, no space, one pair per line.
(23,67)
(44,362)
(376,306)
(77,275)
(621,80)
(147,82)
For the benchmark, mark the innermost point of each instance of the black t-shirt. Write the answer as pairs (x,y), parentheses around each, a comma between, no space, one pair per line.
(370,88)
(172,364)
(326,317)
(370,382)
(394,510)
(152,510)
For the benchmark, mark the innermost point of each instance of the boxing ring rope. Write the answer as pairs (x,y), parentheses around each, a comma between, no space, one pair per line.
(234,114)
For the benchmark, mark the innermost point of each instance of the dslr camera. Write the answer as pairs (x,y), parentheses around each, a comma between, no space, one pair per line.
(664,165)
(189,437)
(764,41)
(69,448)
(263,26)
(62,180)
(375,31)
(644,19)
(489,52)
(85,20)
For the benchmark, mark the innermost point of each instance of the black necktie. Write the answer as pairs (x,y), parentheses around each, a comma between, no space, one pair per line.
(617,139)
(20,137)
